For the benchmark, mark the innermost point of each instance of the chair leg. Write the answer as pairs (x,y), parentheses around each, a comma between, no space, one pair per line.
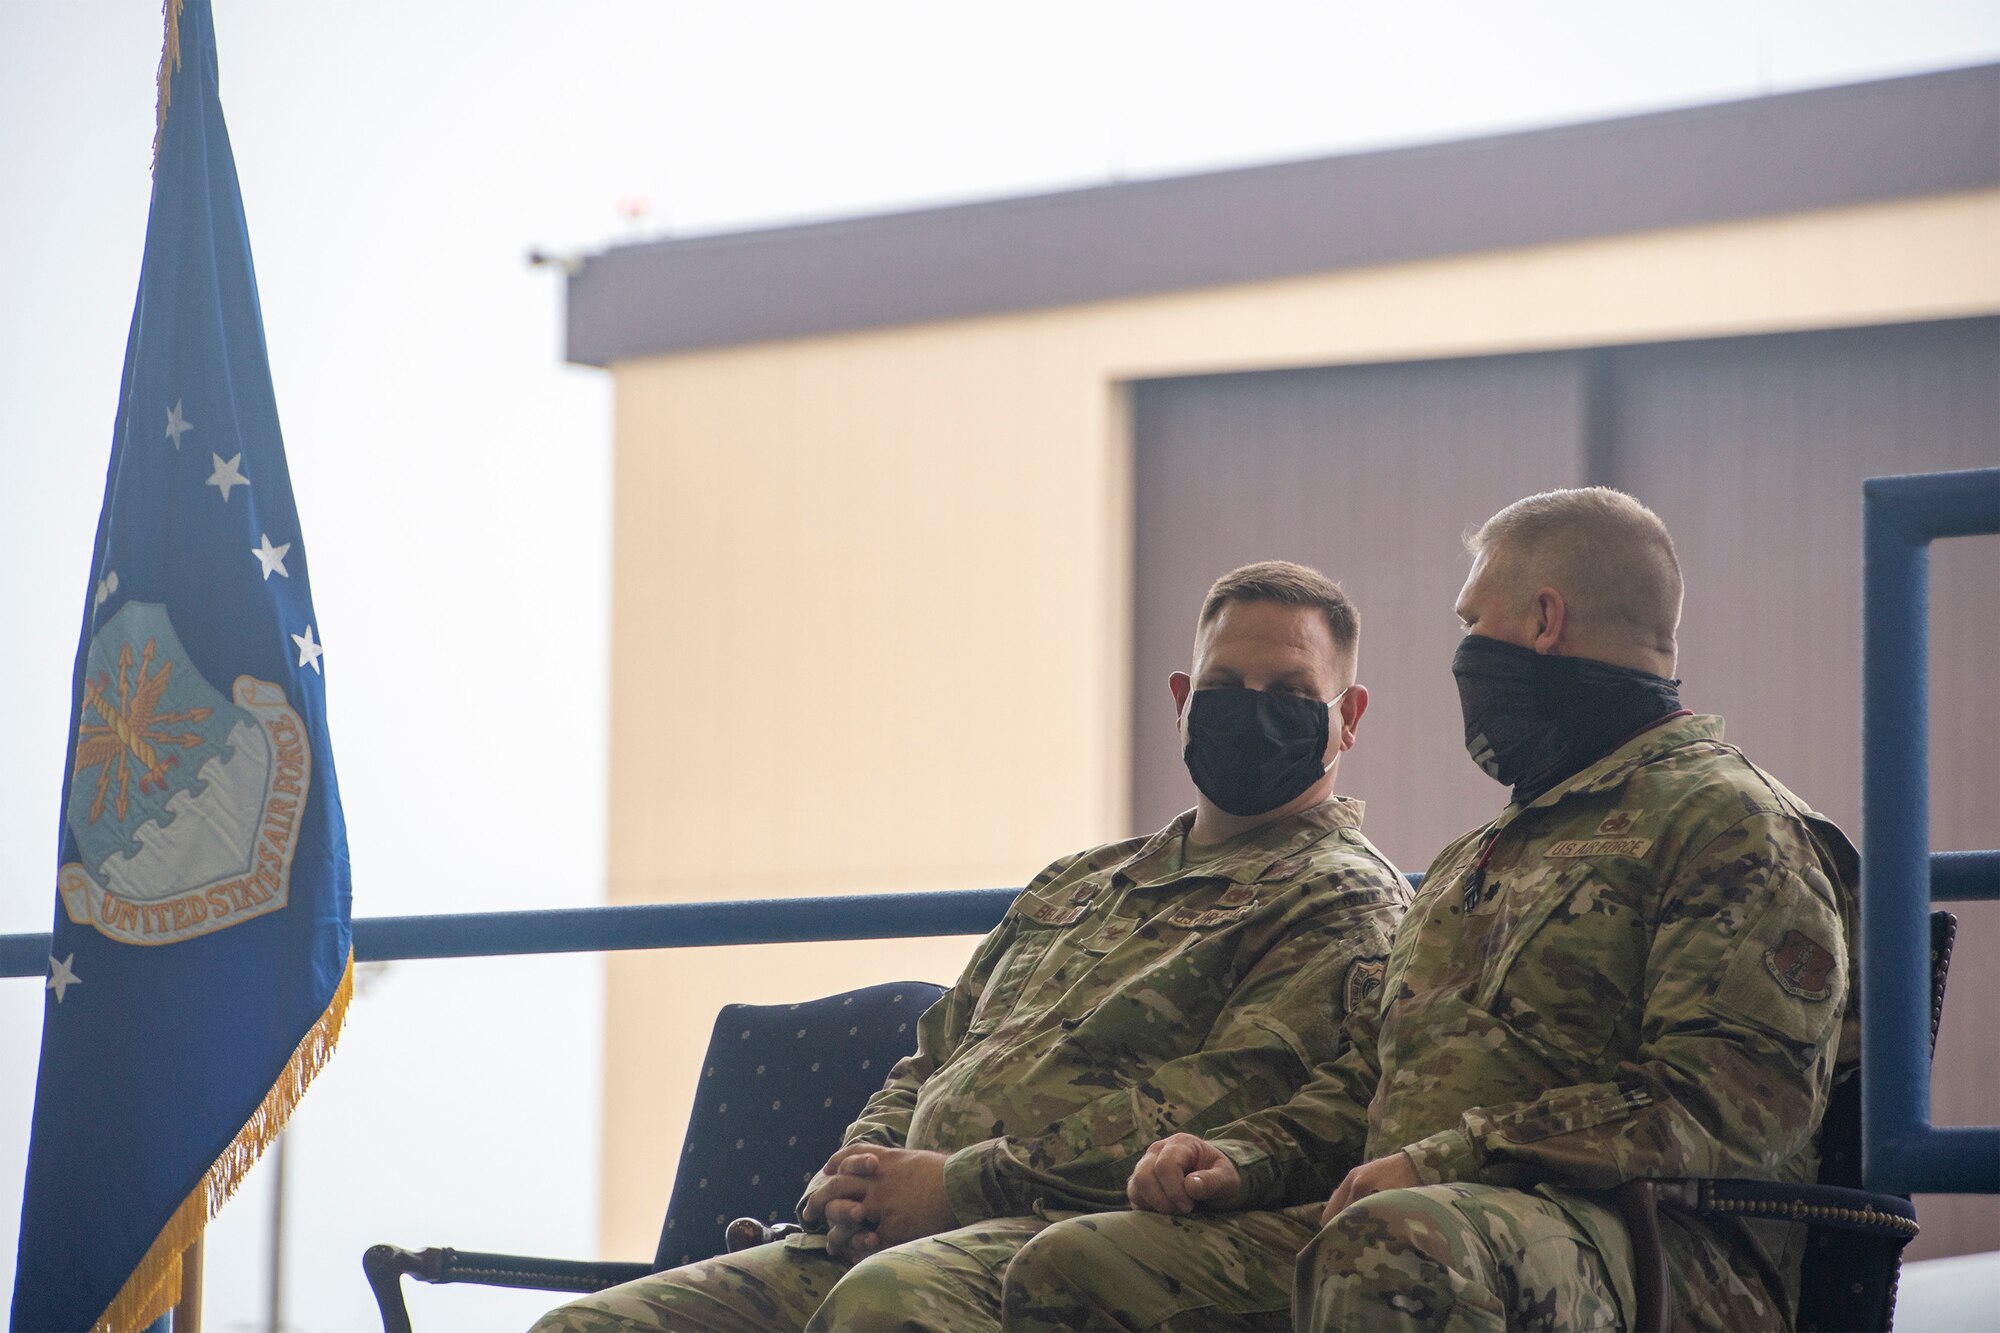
(1639,1203)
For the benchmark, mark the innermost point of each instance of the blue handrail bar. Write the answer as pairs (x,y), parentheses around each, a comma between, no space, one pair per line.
(862,916)
(1901,1151)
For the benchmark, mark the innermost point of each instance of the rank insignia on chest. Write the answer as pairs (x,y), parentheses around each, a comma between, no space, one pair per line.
(1802,966)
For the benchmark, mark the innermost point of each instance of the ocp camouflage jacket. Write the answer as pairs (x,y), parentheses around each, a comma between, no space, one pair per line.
(1127,996)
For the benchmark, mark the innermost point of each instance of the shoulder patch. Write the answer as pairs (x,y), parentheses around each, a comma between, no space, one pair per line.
(1802,966)
(1364,979)
(1598,847)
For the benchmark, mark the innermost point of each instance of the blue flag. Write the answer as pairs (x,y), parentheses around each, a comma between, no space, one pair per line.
(200,964)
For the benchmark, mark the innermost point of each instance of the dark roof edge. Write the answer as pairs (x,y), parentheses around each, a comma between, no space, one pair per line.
(1922,134)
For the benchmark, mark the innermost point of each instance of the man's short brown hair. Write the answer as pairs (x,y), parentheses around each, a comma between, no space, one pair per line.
(1288,584)
(1610,557)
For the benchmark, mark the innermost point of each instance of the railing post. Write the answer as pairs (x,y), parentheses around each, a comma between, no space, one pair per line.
(1901,1151)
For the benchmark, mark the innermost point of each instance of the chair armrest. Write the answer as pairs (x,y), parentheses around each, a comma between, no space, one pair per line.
(385,1266)
(1863,1212)
(1859,1212)
(745,1232)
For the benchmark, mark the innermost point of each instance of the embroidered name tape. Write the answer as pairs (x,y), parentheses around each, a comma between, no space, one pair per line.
(1599,847)
(1051,915)
(1211,917)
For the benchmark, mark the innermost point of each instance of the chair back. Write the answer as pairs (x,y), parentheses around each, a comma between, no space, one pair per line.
(778,1085)
(1848,1280)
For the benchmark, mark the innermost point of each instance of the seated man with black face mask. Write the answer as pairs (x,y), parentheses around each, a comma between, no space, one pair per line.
(1640,968)
(1192,980)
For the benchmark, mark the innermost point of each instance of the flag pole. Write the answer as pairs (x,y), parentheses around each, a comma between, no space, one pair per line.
(187,1311)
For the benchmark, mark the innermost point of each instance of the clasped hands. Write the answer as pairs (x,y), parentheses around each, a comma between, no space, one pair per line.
(874,1197)
(1182,1172)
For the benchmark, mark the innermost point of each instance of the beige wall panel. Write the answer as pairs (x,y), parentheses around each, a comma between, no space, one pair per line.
(871,609)
(860,602)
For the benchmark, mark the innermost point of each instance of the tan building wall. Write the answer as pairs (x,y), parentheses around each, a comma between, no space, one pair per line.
(870,621)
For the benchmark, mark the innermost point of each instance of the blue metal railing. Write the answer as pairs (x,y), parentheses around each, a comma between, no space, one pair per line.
(867,916)
(1901,1151)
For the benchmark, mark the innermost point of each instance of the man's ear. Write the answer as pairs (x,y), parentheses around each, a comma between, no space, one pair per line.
(1352,705)
(1182,684)
(1551,616)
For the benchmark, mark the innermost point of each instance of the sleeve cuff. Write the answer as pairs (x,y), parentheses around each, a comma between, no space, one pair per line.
(966,1175)
(799,1209)
(1446,1156)
(1255,1170)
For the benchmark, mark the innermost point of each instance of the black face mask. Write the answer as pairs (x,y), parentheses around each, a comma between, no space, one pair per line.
(1533,720)
(1251,751)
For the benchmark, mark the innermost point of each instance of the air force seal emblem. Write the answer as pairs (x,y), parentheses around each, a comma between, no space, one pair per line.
(185,805)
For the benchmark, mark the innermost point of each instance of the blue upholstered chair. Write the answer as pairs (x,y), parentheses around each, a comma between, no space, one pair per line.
(779,1083)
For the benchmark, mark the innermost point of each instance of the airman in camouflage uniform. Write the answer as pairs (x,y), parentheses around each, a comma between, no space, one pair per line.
(1126,995)
(1641,973)
(1169,983)
(1639,969)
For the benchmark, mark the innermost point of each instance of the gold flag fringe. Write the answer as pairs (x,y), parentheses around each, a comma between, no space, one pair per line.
(170,60)
(155,1285)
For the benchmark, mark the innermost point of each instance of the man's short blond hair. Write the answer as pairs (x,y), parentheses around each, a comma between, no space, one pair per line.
(1610,557)
(1288,584)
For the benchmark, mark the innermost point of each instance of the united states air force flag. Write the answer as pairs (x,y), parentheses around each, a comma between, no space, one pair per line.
(200,966)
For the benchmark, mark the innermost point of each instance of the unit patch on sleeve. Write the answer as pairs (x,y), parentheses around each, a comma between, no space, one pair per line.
(1802,966)
(1364,979)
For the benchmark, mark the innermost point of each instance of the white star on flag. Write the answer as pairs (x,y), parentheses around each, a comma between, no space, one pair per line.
(177,425)
(61,978)
(227,475)
(269,556)
(308,650)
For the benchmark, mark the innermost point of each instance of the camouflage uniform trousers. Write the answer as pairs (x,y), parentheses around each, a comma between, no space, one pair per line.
(1066,1271)
(1467,1257)
(1130,1270)
(948,1281)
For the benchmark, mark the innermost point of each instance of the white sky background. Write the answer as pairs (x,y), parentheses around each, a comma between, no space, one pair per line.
(453,475)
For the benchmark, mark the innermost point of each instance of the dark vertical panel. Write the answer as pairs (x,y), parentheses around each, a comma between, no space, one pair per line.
(1754,450)
(1372,474)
